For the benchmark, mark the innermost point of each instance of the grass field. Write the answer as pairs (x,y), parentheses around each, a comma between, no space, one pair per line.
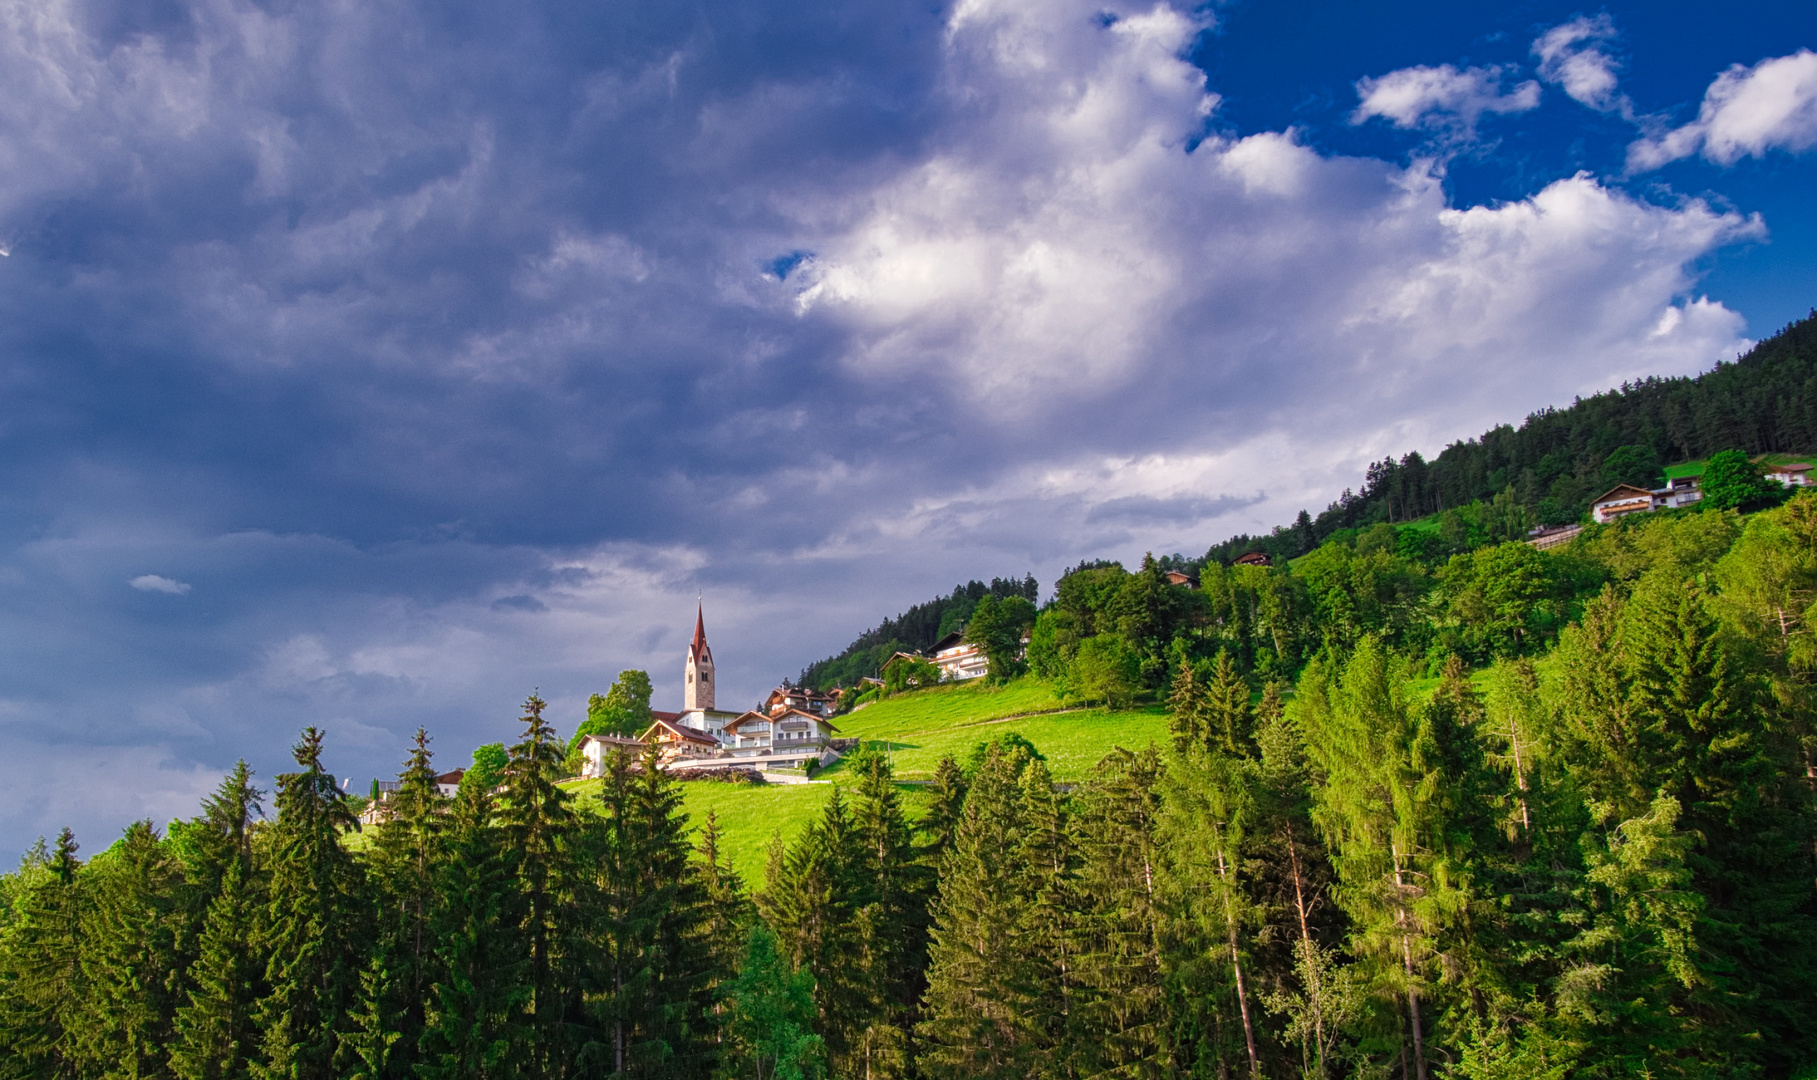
(917,729)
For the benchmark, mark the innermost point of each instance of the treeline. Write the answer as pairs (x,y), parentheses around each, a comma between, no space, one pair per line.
(1593,857)
(1560,459)
(915,630)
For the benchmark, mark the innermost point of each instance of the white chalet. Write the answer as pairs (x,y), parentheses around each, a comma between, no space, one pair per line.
(958,660)
(1797,474)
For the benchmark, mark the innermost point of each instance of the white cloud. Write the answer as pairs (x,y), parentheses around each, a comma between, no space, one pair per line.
(1440,96)
(159,583)
(1573,57)
(1746,112)
(1066,252)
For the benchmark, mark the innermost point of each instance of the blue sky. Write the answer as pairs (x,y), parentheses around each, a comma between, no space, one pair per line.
(370,366)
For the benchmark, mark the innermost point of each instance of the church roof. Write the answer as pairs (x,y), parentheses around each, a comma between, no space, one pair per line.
(699,646)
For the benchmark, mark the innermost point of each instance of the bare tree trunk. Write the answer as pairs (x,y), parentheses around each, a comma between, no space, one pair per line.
(1236,964)
(1413,994)
(1300,908)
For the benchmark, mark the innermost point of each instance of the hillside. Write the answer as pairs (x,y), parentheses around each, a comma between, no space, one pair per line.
(918,729)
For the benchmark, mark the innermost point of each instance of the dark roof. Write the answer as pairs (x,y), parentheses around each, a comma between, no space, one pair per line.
(952,640)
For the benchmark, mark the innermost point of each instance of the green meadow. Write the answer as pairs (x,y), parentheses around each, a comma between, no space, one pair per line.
(917,729)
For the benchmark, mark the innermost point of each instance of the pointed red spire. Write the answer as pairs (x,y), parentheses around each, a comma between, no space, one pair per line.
(700,633)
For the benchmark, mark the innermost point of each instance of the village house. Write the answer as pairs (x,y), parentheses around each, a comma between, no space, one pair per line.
(959,660)
(1624,499)
(1175,577)
(595,748)
(1797,474)
(1252,558)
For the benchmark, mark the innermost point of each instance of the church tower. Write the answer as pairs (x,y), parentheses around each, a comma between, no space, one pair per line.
(697,693)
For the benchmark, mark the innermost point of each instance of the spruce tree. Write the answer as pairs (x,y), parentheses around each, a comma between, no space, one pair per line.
(314,925)
(1226,713)
(811,899)
(769,1033)
(891,921)
(985,978)
(653,974)
(946,809)
(1117,1023)
(42,983)
(540,830)
(473,1019)
(1187,708)
(130,928)
(215,1035)
(406,856)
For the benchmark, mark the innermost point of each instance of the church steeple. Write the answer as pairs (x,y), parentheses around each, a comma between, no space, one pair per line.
(697,692)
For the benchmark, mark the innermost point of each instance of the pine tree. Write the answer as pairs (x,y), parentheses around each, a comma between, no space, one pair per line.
(1374,809)
(42,984)
(215,1036)
(771,1011)
(473,1019)
(1187,706)
(314,925)
(725,920)
(891,920)
(947,808)
(812,899)
(654,973)
(1208,805)
(1226,717)
(1117,1023)
(1704,741)
(984,977)
(406,857)
(129,956)
(541,831)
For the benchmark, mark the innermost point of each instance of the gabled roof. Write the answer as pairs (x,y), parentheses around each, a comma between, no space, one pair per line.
(1796,466)
(1622,491)
(674,731)
(784,715)
(950,641)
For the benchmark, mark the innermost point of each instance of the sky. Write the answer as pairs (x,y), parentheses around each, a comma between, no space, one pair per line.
(375,365)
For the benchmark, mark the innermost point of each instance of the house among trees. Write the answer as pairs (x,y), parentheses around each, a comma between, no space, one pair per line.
(958,659)
(1797,474)
(1253,558)
(594,748)
(1624,499)
(1177,577)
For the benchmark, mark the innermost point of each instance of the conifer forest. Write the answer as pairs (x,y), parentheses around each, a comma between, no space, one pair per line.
(1582,848)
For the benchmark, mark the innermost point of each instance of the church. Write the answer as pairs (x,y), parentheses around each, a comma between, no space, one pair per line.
(793,726)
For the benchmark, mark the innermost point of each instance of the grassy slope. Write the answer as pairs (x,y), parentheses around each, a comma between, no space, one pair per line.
(919,729)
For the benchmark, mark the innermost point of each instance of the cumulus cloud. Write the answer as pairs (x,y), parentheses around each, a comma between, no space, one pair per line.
(159,583)
(1440,96)
(1746,112)
(1575,57)
(465,366)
